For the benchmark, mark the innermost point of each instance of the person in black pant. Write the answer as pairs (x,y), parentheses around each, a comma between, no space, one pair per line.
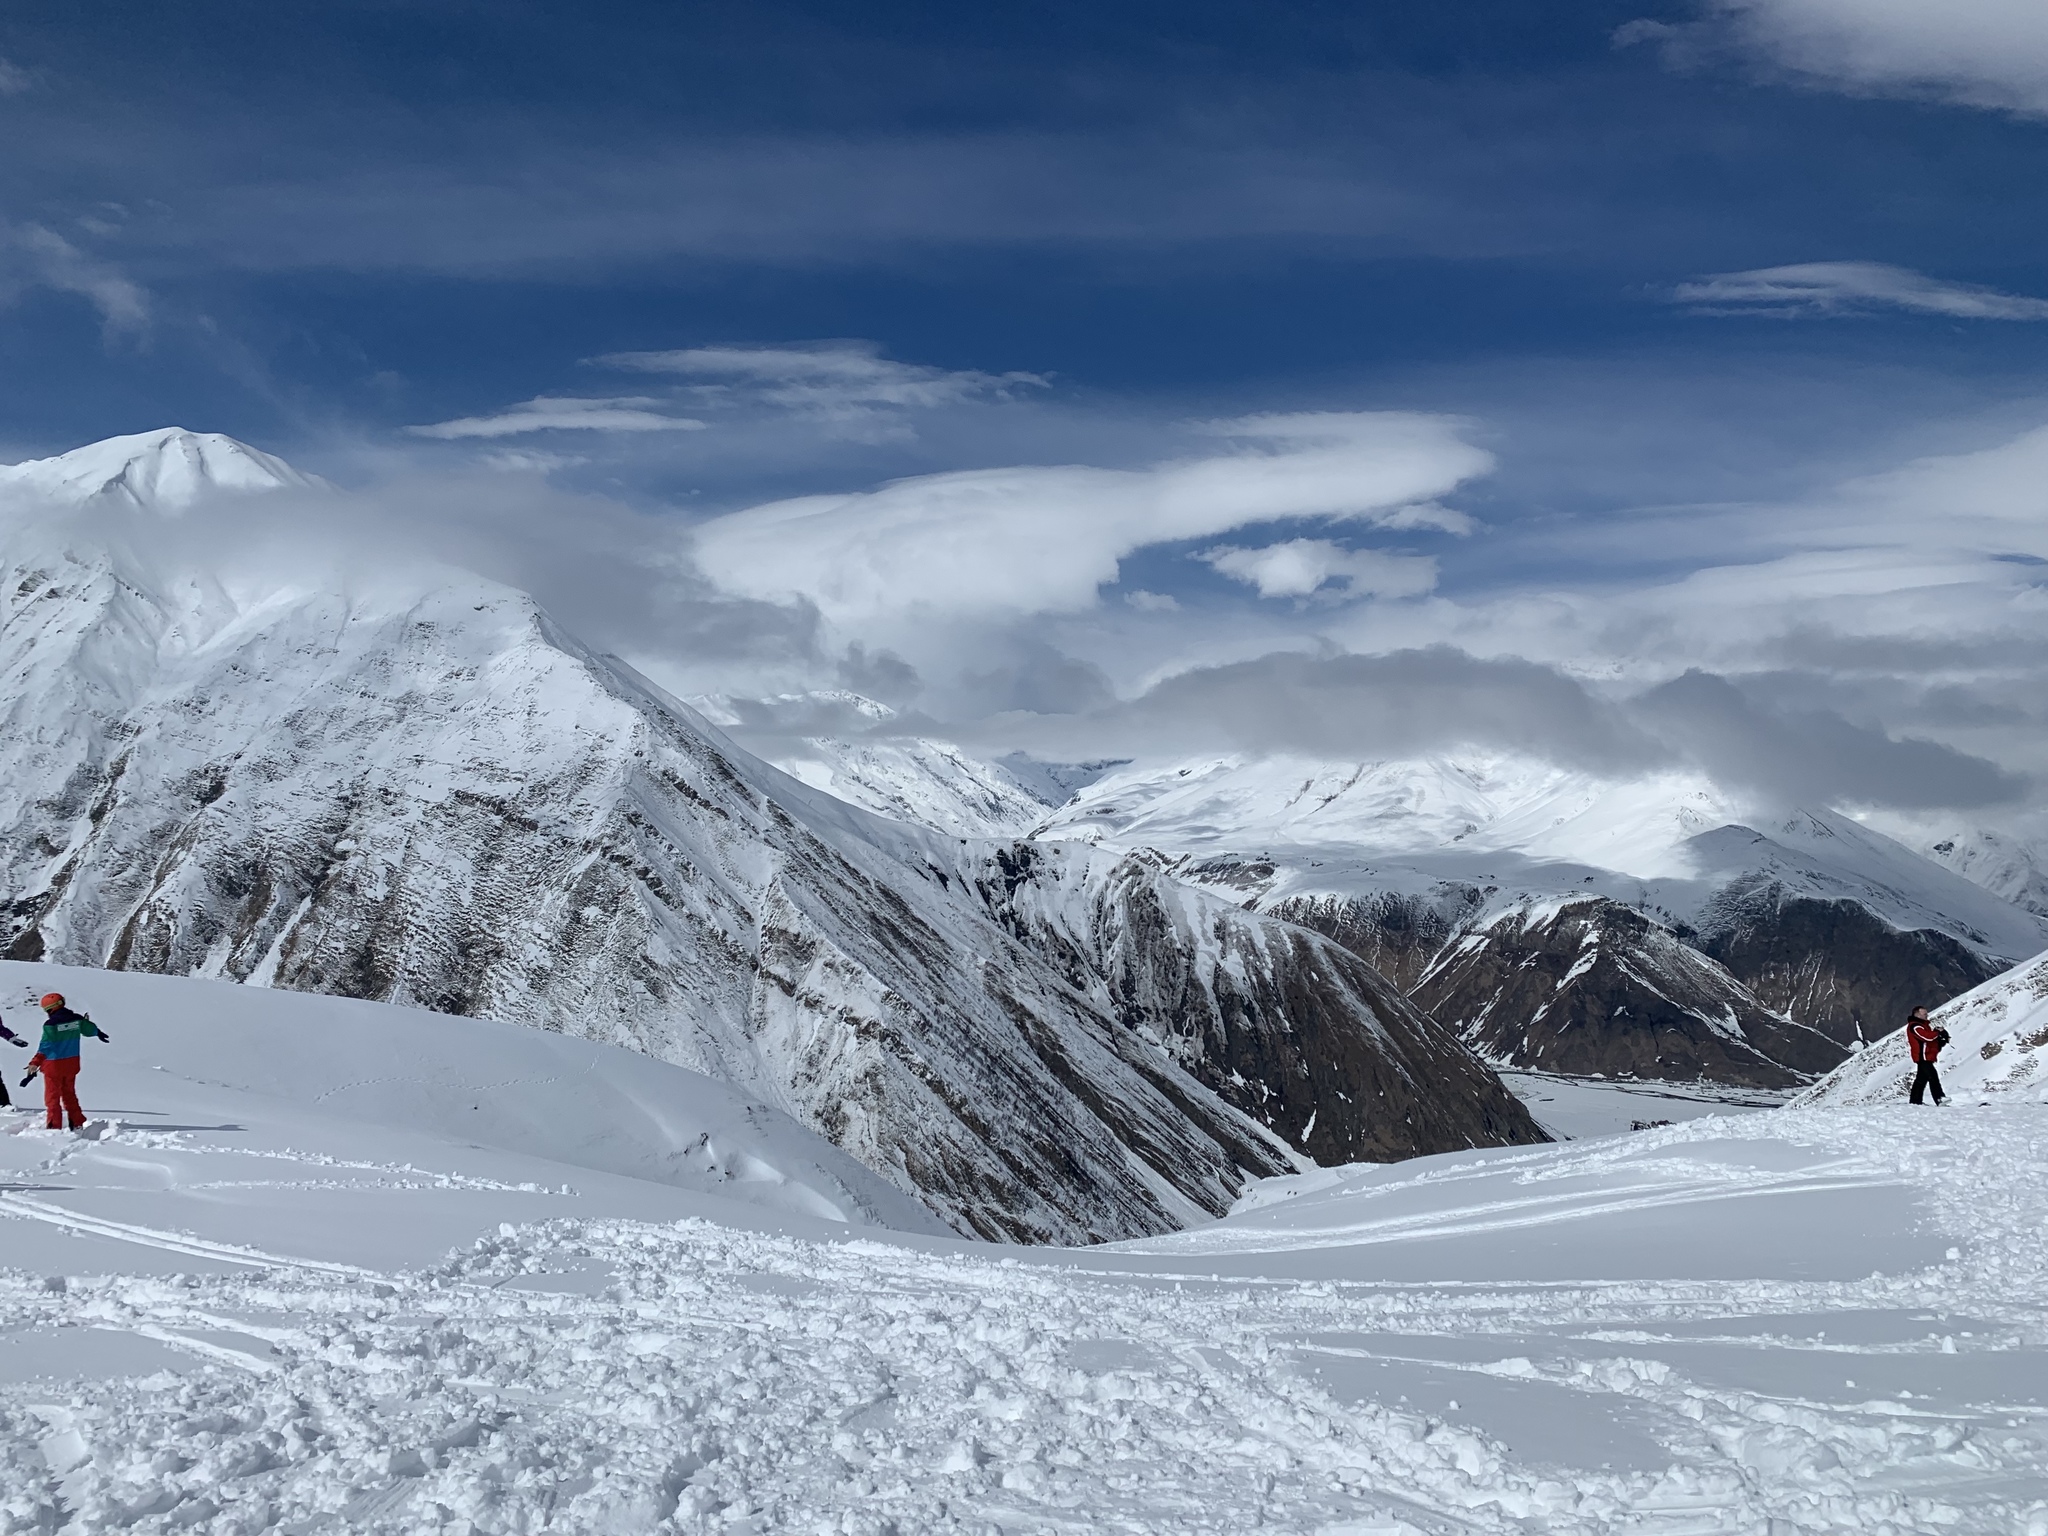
(8,1034)
(1924,1038)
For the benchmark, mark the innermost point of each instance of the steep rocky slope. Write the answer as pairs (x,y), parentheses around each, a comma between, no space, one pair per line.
(415,789)
(1292,1029)
(1587,985)
(1710,939)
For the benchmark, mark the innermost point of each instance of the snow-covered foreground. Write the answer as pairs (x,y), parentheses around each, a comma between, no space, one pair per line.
(239,1309)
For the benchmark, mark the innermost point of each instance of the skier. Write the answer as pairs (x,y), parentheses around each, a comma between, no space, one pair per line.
(12,1038)
(1925,1038)
(57,1057)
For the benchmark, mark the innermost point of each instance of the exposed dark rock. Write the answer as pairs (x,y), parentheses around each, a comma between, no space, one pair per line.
(1834,964)
(1292,1029)
(1395,933)
(1592,986)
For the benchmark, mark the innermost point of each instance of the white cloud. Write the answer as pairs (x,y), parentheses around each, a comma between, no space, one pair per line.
(1152,602)
(554,413)
(1828,288)
(43,258)
(1984,53)
(531,461)
(847,385)
(1319,568)
(981,543)
(13,78)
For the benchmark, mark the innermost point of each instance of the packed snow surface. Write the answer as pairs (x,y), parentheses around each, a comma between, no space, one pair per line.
(1997,1050)
(320,1292)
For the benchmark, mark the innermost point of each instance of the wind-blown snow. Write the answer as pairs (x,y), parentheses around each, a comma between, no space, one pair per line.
(1998,1048)
(231,1321)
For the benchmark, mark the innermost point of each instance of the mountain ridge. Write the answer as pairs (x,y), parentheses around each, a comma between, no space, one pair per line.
(414,787)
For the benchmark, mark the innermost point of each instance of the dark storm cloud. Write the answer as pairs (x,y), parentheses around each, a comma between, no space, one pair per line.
(1815,756)
(881,675)
(1351,707)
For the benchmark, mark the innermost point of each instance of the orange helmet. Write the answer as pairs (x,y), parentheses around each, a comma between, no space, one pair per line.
(53,1000)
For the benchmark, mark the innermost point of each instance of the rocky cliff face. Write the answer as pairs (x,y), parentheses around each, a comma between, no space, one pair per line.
(1398,933)
(1833,964)
(1590,986)
(419,791)
(1293,1030)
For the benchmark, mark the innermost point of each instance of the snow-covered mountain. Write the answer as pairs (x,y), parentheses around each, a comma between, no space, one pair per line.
(1998,1049)
(2015,868)
(905,778)
(1559,920)
(924,781)
(415,788)
(1655,924)
(165,470)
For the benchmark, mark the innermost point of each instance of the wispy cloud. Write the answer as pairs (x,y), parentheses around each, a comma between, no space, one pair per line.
(1981,53)
(847,385)
(34,256)
(559,413)
(13,78)
(1843,288)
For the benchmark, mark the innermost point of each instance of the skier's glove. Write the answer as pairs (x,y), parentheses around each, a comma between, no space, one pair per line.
(28,1077)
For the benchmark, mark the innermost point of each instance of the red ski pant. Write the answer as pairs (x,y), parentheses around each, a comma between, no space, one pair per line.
(60,1094)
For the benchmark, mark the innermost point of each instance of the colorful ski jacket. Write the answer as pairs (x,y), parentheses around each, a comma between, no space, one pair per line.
(1923,1037)
(61,1033)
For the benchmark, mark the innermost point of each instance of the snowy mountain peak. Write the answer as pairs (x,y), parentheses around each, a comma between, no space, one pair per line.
(165,470)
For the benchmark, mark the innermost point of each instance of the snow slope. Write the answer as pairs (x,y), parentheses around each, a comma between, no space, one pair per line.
(1780,1323)
(2008,866)
(168,469)
(1998,1048)
(269,1070)
(926,783)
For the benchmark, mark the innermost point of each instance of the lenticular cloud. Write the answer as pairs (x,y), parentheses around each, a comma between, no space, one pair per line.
(1033,539)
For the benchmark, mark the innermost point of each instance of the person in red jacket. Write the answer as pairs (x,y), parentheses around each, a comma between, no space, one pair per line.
(1925,1038)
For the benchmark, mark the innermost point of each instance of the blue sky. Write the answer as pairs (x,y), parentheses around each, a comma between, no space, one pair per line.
(1067,234)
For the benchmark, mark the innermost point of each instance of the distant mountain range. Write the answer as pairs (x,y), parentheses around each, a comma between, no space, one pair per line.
(1055,1001)
(414,787)
(1558,920)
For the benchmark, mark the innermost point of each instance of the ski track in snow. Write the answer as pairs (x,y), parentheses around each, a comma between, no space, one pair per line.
(617,1375)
